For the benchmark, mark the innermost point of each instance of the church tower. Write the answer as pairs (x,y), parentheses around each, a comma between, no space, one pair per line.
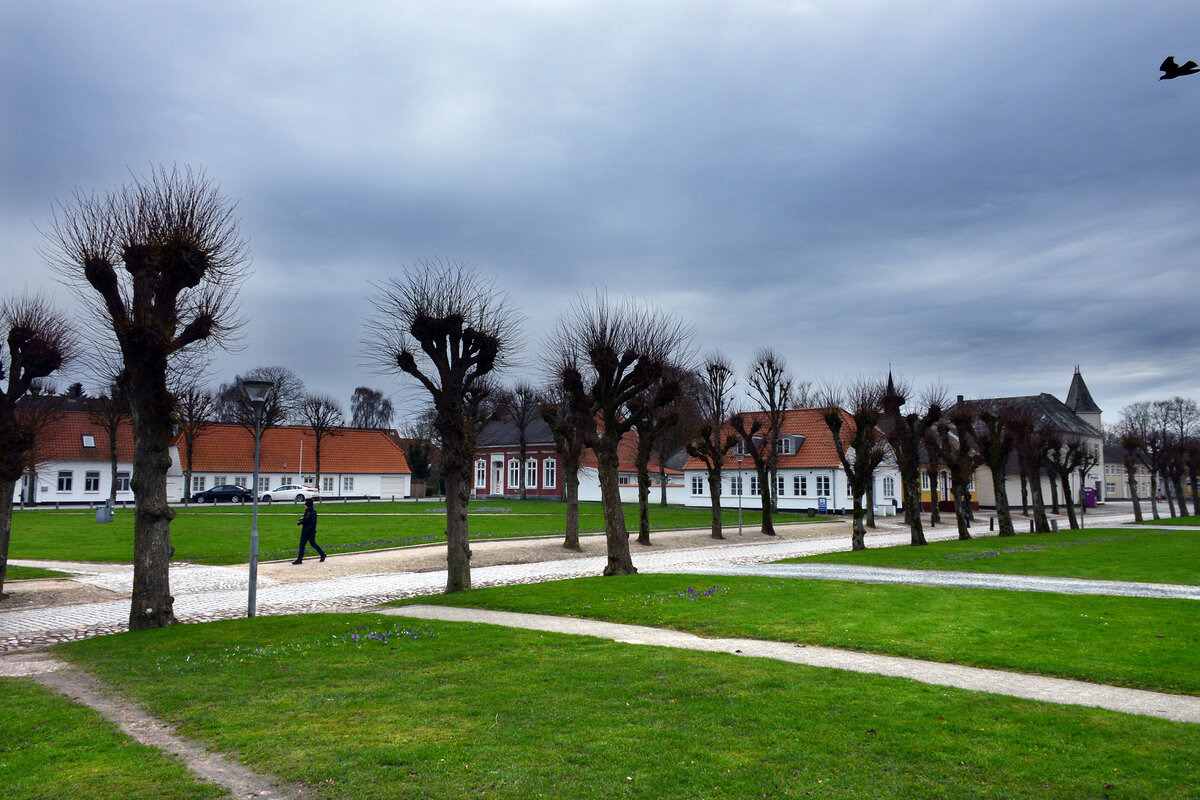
(1079,400)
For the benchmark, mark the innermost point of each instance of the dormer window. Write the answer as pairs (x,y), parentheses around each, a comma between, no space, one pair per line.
(783,446)
(89,440)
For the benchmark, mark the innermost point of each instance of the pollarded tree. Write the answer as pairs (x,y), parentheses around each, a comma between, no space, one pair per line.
(162,259)
(713,387)
(193,416)
(448,329)
(1032,441)
(653,411)
(994,442)
(37,342)
(323,414)
(769,384)
(110,410)
(861,448)
(906,434)
(953,436)
(568,412)
(522,404)
(370,409)
(617,350)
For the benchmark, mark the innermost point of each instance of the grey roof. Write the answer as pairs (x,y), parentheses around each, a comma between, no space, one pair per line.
(504,432)
(1045,408)
(1079,399)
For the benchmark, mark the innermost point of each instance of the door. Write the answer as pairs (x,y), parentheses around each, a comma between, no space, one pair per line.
(498,478)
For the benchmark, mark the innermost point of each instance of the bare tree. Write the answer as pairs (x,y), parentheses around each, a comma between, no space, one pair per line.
(163,259)
(617,350)
(39,341)
(1032,442)
(110,410)
(522,404)
(448,329)
(1069,453)
(859,443)
(568,413)
(770,383)
(994,442)
(652,412)
(906,433)
(714,395)
(232,405)
(953,436)
(370,409)
(324,416)
(37,411)
(193,411)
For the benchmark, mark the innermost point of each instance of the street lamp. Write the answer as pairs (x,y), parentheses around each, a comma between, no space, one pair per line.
(739,460)
(257,392)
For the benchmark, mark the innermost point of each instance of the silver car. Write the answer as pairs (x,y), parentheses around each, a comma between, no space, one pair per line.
(290,493)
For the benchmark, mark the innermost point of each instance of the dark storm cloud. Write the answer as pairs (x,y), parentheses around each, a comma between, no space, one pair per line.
(985,194)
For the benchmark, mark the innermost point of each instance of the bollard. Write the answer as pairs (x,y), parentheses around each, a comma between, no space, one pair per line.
(1054,525)
(991,523)
(1031,526)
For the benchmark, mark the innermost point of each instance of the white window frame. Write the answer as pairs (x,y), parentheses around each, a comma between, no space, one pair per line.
(123,481)
(739,448)
(264,483)
(531,473)
(91,481)
(804,486)
(550,474)
(327,484)
(754,489)
(66,479)
(735,485)
(697,485)
(347,484)
(783,446)
(824,486)
(924,481)
(197,483)
(796,485)
(89,440)
(889,486)
(480,473)
(514,473)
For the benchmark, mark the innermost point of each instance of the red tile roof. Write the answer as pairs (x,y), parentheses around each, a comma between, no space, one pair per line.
(230,448)
(62,439)
(817,450)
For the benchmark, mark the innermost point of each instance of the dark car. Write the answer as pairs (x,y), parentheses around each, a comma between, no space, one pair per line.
(224,494)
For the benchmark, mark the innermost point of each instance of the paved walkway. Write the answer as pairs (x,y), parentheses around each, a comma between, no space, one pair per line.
(1179,708)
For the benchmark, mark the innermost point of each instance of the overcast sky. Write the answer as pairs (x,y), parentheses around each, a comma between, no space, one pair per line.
(979,193)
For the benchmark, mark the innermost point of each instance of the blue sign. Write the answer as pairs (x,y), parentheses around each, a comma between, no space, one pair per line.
(823,503)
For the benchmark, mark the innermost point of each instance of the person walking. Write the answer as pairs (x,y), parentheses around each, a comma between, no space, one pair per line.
(308,532)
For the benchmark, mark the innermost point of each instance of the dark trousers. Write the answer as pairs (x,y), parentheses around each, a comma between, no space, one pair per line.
(308,538)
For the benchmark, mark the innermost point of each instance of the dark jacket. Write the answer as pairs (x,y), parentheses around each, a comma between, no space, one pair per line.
(308,523)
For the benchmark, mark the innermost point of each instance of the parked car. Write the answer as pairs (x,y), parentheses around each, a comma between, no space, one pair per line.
(290,492)
(226,493)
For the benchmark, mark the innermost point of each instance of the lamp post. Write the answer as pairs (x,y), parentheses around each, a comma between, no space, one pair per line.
(257,392)
(739,460)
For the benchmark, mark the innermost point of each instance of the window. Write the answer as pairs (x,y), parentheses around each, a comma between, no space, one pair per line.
(1110,488)
(944,483)
(697,485)
(849,492)
(64,481)
(531,473)
(218,480)
(347,484)
(514,473)
(481,474)
(823,486)
(327,484)
(89,440)
(240,480)
(971,484)
(754,491)
(735,485)
(889,486)
(779,486)
(783,446)
(264,483)
(549,474)
(122,481)
(197,483)
(625,479)
(91,481)
(924,481)
(796,485)
(307,480)
(804,486)
(739,449)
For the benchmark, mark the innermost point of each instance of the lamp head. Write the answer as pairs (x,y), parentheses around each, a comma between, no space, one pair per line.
(257,391)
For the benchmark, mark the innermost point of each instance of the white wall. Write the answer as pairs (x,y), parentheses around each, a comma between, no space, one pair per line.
(837,500)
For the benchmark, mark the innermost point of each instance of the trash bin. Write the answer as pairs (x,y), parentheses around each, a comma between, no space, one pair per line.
(1089,497)
(105,512)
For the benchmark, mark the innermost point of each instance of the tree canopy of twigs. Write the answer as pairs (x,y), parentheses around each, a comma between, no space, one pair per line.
(159,262)
(612,352)
(37,342)
(713,387)
(448,329)
(324,416)
(852,415)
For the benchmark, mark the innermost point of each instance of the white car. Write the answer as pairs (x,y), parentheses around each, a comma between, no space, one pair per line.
(290,493)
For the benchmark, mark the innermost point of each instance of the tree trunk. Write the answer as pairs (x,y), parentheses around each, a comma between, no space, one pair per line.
(871,504)
(764,493)
(1177,481)
(643,505)
(1024,494)
(571,542)
(1154,494)
(1194,474)
(1053,480)
(1040,523)
(1072,519)
(962,504)
(935,495)
(858,535)
(913,491)
(458,550)
(1131,481)
(7,487)
(714,491)
(662,483)
(112,486)
(1166,483)
(1003,512)
(615,534)
(152,605)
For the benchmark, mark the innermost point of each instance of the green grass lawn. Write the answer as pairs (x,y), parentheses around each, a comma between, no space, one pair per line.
(1172,521)
(1118,555)
(15,573)
(53,748)
(358,706)
(1137,642)
(221,535)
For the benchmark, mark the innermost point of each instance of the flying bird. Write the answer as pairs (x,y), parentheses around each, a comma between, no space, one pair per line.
(1172,70)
